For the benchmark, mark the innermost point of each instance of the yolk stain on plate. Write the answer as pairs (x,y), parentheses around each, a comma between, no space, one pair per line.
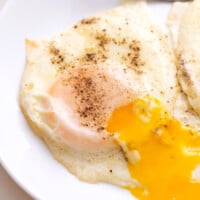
(167,151)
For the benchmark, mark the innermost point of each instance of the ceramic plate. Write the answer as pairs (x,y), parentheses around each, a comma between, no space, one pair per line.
(23,155)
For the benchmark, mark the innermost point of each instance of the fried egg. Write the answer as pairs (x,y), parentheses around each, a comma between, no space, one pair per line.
(187,51)
(104,97)
(183,109)
(174,19)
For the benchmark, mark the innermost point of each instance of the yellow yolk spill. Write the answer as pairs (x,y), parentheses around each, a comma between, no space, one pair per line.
(168,152)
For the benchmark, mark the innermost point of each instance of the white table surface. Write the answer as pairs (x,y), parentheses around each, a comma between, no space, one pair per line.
(9,190)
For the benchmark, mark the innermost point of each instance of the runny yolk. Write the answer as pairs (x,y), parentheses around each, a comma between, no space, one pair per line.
(167,151)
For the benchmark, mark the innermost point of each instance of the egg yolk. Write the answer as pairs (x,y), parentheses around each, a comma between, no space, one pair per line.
(167,152)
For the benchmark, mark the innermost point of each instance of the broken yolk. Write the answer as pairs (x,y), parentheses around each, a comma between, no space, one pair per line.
(162,153)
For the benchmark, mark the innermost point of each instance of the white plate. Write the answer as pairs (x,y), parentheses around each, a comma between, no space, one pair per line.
(23,155)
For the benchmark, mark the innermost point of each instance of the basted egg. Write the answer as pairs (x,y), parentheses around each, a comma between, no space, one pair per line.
(174,19)
(187,29)
(73,82)
(183,109)
(100,95)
